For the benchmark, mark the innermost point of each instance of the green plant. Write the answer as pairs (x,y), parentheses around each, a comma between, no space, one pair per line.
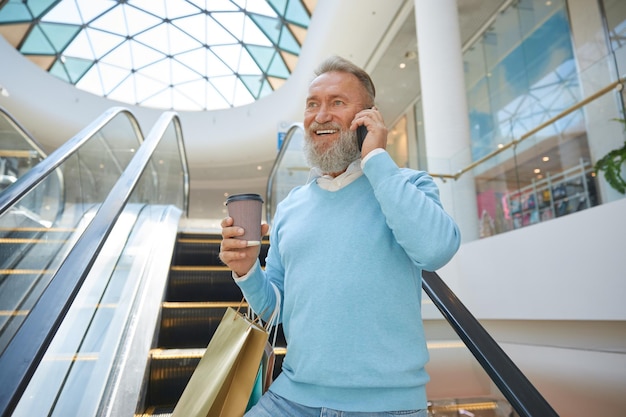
(611,165)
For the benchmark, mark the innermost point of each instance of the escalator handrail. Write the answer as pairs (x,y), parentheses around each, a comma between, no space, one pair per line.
(32,142)
(513,384)
(270,179)
(25,351)
(40,171)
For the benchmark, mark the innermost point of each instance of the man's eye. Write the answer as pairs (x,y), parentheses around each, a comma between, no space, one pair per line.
(311,105)
(338,102)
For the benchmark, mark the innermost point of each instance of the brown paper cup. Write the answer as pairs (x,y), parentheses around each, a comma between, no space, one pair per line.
(246,211)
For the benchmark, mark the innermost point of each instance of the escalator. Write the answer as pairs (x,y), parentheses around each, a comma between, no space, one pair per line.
(126,302)
(199,290)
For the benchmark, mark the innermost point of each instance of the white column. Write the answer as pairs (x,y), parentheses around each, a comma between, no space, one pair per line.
(446,121)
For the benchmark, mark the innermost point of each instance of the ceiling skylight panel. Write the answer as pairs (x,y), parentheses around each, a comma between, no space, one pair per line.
(90,9)
(229,54)
(154,7)
(80,47)
(247,65)
(175,9)
(215,67)
(214,100)
(102,42)
(195,59)
(112,21)
(121,57)
(143,55)
(217,34)
(112,76)
(233,22)
(195,26)
(241,95)
(179,41)
(64,12)
(137,20)
(253,35)
(146,87)
(39,6)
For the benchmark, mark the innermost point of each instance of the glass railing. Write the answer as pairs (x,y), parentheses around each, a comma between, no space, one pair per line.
(470,373)
(19,151)
(51,231)
(290,169)
(43,210)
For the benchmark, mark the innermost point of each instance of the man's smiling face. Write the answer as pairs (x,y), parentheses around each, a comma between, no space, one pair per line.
(334,99)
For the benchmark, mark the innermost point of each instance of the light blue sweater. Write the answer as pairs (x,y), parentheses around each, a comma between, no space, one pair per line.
(348,265)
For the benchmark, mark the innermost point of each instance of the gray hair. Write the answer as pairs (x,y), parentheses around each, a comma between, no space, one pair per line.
(339,64)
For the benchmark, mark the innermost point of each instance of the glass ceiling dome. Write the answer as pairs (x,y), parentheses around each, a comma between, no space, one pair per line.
(165,54)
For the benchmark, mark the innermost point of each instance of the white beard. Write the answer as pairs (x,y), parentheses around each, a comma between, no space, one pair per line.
(338,155)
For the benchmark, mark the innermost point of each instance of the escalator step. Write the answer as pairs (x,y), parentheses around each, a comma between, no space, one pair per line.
(189,283)
(170,371)
(197,251)
(190,324)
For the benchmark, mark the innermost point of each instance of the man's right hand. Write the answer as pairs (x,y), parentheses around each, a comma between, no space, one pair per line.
(236,253)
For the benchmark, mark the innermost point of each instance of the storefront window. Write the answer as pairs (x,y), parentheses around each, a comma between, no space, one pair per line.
(520,75)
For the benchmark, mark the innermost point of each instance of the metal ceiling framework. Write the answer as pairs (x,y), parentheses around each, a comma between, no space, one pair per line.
(175,54)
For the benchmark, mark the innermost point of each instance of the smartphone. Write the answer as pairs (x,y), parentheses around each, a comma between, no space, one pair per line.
(361,132)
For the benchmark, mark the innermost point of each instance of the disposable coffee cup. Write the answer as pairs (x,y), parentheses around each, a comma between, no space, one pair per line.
(246,211)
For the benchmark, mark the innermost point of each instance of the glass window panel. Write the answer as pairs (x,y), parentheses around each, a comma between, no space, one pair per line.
(279,5)
(91,82)
(137,20)
(142,55)
(195,90)
(37,7)
(215,100)
(101,42)
(183,101)
(58,70)
(253,35)
(297,13)
(229,54)
(247,65)
(111,76)
(179,8)
(37,43)
(241,95)
(182,73)
(616,22)
(64,12)
(253,83)
(179,41)
(80,47)
(217,35)
(278,68)
(195,26)
(157,8)
(90,9)
(60,35)
(262,55)
(160,71)
(120,57)
(160,100)
(215,66)
(233,22)
(77,67)
(225,86)
(218,5)
(15,12)
(288,42)
(195,60)
(271,27)
(260,7)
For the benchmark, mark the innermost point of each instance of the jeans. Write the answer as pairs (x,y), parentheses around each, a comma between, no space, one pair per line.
(272,405)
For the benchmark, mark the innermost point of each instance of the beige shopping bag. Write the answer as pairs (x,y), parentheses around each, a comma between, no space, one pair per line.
(222,383)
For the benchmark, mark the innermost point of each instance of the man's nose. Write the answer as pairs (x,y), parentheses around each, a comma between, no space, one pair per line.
(323,115)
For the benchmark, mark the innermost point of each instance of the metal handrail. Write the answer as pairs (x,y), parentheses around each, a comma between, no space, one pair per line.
(25,351)
(513,384)
(40,171)
(270,179)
